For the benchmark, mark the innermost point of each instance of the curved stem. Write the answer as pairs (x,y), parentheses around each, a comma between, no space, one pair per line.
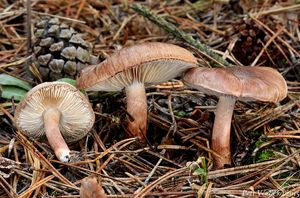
(221,131)
(137,108)
(54,136)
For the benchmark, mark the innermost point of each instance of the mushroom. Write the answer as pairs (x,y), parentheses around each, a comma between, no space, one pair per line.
(90,188)
(231,84)
(57,110)
(131,68)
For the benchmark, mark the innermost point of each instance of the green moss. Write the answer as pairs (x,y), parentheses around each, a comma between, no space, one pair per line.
(264,155)
(280,149)
(259,142)
(179,114)
(254,134)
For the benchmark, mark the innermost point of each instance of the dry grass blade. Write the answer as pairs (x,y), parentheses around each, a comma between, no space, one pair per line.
(23,140)
(267,116)
(7,188)
(32,188)
(152,185)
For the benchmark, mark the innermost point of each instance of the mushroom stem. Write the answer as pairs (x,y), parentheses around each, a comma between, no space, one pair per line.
(221,131)
(137,109)
(51,122)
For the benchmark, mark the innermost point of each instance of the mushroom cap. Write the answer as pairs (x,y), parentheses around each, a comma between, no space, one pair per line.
(245,83)
(152,62)
(77,115)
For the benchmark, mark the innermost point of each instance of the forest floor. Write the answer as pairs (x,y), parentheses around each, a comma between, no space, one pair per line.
(176,160)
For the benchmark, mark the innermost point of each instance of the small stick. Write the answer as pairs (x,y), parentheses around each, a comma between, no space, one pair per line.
(151,173)
(154,169)
(43,181)
(178,33)
(60,17)
(28,31)
(155,183)
(82,3)
(4,183)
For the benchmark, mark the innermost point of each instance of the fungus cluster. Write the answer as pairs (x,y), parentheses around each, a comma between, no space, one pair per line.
(62,113)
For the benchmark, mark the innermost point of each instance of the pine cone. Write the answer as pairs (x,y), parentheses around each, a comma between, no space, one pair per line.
(250,41)
(59,51)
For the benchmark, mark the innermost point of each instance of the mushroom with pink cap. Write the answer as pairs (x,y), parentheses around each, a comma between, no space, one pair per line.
(133,67)
(58,111)
(231,84)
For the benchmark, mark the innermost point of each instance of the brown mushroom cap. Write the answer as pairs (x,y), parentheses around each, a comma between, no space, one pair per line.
(77,116)
(146,63)
(231,84)
(245,83)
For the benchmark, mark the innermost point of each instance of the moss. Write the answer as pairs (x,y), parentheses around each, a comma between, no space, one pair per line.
(254,134)
(259,142)
(179,114)
(264,155)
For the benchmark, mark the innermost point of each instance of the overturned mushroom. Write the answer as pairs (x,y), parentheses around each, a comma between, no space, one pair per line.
(57,110)
(231,84)
(131,68)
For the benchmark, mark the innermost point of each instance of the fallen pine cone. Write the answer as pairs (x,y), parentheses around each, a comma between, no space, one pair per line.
(59,51)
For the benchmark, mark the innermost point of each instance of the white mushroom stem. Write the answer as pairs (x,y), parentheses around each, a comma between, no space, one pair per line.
(54,136)
(221,131)
(137,108)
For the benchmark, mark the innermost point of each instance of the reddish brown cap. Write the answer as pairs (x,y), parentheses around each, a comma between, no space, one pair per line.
(90,188)
(246,83)
(147,63)
(77,115)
